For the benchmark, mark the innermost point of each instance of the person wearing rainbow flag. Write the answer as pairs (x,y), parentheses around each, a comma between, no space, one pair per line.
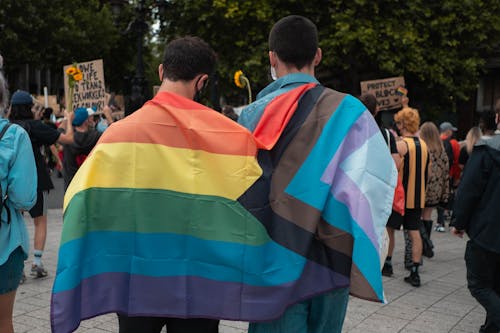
(150,214)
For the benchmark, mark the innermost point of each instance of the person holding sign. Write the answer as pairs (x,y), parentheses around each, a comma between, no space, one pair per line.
(40,134)
(85,138)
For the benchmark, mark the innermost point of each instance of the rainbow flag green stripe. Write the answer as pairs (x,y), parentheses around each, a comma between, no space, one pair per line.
(161,211)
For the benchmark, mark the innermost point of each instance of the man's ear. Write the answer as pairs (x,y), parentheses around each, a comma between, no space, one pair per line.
(317,57)
(201,81)
(160,71)
(272,58)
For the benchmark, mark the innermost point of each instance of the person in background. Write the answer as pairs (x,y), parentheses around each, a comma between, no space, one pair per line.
(476,212)
(473,135)
(487,124)
(437,189)
(414,175)
(51,153)
(18,186)
(85,138)
(40,134)
(452,148)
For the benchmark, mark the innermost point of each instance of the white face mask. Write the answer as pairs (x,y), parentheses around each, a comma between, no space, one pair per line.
(273,74)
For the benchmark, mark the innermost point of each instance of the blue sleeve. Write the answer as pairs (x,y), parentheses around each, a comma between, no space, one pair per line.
(22,176)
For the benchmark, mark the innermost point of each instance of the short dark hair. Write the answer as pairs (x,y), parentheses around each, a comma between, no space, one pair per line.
(370,101)
(186,57)
(21,112)
(487,121)
(294,38)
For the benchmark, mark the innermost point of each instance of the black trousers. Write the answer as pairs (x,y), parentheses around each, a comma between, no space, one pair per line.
(483,280)
(174,325)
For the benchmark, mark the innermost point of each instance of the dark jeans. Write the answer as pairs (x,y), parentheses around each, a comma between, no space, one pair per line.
(174,325)
(483,279)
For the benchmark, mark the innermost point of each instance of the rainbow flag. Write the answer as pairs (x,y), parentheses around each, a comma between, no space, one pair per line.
(402,91)
(165,217)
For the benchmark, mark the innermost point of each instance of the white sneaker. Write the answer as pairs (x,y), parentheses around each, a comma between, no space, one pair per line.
(440,228)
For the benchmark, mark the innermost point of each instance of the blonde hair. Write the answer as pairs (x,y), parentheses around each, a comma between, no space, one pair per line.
(430,134)
(409,118)
(472,136)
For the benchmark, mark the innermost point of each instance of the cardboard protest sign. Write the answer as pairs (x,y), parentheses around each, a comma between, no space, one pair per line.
(387,91)
(51,101)
(90,91)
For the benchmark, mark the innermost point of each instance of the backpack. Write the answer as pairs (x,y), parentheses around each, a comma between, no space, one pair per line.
(3,198)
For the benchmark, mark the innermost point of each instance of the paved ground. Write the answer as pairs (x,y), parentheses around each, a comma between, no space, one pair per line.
(441,304)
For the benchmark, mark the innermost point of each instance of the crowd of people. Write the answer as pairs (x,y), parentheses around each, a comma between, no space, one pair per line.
(180,216)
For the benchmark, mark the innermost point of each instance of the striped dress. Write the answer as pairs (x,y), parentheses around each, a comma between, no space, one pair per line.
(416,163)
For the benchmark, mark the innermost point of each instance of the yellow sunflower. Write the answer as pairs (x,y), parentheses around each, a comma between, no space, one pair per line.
(238,79)
(78,76)
(71,71)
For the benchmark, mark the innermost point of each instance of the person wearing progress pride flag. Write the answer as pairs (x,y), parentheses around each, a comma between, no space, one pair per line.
(327,186)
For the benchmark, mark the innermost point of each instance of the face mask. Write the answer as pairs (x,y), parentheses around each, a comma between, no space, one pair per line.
(273,74)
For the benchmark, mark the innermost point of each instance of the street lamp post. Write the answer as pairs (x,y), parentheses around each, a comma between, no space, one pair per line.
(138,88)
(143,10)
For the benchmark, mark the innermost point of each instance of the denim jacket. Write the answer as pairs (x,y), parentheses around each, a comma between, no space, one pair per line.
(19,181)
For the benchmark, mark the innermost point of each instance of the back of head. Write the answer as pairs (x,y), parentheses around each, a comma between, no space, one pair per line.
(21,104)
(472,137)
(186,57)
(409,118)
(294,39)
(487,121)
(430,134)
(370,101)
(47,112)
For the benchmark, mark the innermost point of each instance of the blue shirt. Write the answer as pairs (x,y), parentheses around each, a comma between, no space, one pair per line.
(18,178)
(251,115)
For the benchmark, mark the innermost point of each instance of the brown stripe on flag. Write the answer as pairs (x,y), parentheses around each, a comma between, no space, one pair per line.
(360,287)
(293,210)
(335,238)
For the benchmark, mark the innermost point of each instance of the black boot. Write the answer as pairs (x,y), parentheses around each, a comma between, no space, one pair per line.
(428,227)
(427,245)
(414,277)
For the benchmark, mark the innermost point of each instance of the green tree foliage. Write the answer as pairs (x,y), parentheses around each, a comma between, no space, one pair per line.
(439,46)
(53,33)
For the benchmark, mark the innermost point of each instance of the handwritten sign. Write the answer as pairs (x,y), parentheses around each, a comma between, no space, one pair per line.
(51,101)
(385,90)
(90,91)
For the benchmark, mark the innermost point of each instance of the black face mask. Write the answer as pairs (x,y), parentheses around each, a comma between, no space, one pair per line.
(199,93)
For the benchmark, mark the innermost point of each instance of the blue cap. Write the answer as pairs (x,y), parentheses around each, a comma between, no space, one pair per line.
(21,97)
(81,114)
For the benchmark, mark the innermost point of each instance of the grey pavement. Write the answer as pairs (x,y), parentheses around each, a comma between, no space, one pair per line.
(441,304)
